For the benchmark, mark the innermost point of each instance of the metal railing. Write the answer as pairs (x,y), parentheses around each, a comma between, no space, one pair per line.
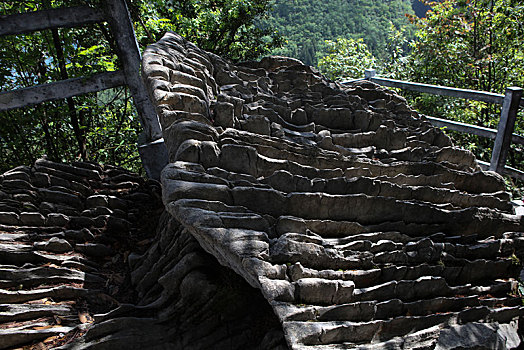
(503,136)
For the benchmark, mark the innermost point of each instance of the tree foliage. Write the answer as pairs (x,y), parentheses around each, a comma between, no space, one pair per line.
(225,27)
(104,126)
(347,58)
(64,129)
(306,24)
(473,44)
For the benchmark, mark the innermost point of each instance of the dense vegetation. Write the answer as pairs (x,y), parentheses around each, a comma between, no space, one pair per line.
(225,27)
(306,24)
(103,126)
(347,58)
(62,129)
(473,45)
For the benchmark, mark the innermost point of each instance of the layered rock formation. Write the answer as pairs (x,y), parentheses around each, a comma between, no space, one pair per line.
(299,214)
(69,235)
(66,233)
(357,220)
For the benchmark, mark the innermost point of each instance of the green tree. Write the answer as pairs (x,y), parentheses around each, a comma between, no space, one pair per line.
(229,28)
(103,126)
(473,44)
(396,63)
(347,58)
(62,129)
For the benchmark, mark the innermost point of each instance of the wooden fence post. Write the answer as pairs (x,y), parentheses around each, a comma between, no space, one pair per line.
(505,129)
(130,56)
(153,150)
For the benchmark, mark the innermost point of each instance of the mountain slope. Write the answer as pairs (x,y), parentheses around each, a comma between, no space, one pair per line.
(307,23)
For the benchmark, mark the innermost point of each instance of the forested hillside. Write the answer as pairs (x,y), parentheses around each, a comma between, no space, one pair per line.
(306,24)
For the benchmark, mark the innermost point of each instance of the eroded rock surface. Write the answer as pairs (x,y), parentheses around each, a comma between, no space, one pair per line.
(81,268)
(360,223)
(66,232)
(297,213)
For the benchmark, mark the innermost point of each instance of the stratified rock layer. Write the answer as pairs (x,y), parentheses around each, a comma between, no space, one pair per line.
(187,300)
(360,223)
(66,232)
(79,269)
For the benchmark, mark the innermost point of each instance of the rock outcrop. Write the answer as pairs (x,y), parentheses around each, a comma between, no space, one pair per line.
(360,223)
(66,234)
(80,267)
(298,214)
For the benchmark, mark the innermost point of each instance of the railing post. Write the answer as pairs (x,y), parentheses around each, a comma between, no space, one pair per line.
(152,150)
(129,54)
(505,129)
(369,73)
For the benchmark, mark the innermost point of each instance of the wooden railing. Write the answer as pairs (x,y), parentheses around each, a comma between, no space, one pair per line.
(153,151)
(503,136)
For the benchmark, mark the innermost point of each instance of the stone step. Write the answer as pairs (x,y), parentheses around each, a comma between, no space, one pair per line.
(17,337)
(23,312)
(280,161)
(285,182)
(14,277)
(58,293)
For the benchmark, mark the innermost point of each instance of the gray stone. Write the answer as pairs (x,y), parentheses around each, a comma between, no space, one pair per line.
(79,222)
(225,114)
(32,219)
(82,235)
(17,184)
(61,198)
(323,292)
(255,124)
(9,218)
(54,245)
(17,175)
(479,336)
(97,200)
(95,250)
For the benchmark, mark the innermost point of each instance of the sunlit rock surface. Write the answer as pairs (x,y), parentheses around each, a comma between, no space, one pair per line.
(360,223)
(299,214)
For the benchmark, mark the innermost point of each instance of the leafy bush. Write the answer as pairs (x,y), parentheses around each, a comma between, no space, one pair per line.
(347,58)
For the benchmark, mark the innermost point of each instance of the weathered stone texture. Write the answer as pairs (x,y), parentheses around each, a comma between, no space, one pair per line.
(297,213)
(359,222)
(81,268)
(61,263)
